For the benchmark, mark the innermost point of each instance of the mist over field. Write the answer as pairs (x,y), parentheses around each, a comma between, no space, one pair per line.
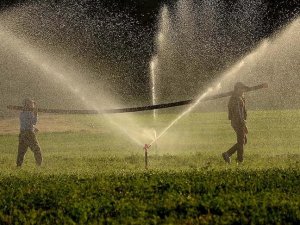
(163,166)
(106,50)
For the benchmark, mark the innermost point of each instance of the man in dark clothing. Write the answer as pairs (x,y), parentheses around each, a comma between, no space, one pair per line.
(27,136)
(237,114)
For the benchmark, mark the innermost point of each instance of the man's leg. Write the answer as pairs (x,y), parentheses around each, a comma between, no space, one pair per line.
(22,149)
(232,150)
(35,147)
(238,147)
(242,139)
(226,155)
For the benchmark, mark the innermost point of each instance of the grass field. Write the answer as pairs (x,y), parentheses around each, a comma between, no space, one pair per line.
(93,174)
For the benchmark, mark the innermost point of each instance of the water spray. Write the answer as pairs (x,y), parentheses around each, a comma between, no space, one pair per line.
(202,98)
(153,65)
(45,64)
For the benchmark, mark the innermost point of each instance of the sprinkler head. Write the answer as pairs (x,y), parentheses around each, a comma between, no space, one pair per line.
(146,147)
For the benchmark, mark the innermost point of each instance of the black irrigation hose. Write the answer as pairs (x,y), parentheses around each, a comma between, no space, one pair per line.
(136,109)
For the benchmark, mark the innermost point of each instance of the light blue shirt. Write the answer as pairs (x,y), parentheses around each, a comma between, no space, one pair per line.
(27,120)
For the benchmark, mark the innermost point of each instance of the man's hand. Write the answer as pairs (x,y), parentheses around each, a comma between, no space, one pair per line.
(35,109)
(245,129)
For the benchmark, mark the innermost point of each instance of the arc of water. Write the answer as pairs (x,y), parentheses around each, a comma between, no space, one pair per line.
(181,115)
(230,73)
(34,57)
(153,66)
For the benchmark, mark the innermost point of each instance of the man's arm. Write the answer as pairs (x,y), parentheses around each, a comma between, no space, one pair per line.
(240,112)
(35,114)
(242,115)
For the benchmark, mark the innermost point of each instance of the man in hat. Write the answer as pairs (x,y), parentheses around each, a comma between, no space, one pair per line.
(237,114)
(27,136)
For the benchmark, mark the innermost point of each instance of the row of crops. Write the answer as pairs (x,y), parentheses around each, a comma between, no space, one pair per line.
(239,196)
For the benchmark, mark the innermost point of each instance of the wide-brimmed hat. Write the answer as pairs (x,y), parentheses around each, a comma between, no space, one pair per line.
(240,85)
(26,101)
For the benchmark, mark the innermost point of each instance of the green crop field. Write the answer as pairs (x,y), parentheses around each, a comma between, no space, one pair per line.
(94,174)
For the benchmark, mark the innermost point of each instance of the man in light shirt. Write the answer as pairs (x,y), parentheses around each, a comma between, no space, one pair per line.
(27,136)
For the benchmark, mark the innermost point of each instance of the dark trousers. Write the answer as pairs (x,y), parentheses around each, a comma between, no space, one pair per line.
(28,139)
(241,141)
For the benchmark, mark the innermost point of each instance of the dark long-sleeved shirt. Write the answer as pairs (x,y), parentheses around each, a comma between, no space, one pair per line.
(236,110)
(27,120)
